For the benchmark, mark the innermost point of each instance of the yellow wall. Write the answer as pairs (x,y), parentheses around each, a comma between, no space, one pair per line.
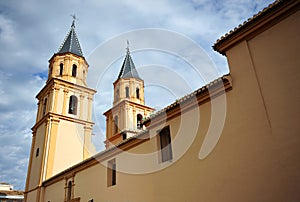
(273,58)
(55,192)
(32,196)
(37,161)
(69,146)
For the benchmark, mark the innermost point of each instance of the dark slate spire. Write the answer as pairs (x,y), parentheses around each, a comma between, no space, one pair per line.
(71,43)
(128,69)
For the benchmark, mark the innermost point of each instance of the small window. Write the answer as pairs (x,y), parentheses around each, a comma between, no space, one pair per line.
(111,173)
(45,106)
(137,93)
(37,152)
(165,144)
(139,118)
(124,136)
(61,69)
(69,191)
(74,70)
(73,105)
(116,124)
(127,92)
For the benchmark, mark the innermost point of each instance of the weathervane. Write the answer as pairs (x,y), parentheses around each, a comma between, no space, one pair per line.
(74,18)
(127,46)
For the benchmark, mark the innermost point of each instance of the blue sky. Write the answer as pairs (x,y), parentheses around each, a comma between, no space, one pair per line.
(31,31)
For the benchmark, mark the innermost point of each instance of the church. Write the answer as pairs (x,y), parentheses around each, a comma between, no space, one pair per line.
(234,139)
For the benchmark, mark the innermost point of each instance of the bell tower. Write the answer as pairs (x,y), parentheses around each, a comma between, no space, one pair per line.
(62,132)
(124,119)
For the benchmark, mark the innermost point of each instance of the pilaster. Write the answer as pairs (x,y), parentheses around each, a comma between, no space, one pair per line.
(81,106)
(66,91)
(52,146)
(87,141)
(90,102)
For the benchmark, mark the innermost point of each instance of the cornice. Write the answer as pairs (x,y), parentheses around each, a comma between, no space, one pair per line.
(260,22)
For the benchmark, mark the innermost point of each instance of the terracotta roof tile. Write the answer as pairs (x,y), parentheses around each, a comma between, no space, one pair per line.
(186,98)
(248,22)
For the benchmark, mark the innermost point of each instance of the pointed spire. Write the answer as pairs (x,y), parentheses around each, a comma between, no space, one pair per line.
(71,43)
(128,69)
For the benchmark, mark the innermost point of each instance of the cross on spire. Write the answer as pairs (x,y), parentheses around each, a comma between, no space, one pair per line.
(127,48)
(74,18)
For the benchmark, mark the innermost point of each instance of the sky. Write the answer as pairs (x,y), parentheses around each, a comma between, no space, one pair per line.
(31,31)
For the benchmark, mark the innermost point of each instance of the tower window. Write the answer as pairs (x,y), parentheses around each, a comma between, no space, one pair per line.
(137,93)
(69,191)
(116,120)
(124,136)
(139,118)
(111,173)
(61,69)
(44,106)
(127,92)
(37,152)
(74,70)
(73,105)
(165,144)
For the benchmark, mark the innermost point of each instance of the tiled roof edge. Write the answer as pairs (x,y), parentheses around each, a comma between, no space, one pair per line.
(248,22)
(187,97)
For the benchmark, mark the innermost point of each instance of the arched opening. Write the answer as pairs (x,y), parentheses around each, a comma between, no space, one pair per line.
(116,124)
(127,92)
(137,93)
(73,104)
(139,118)
(74,70)
(61,69)
(69,192)
(45,106)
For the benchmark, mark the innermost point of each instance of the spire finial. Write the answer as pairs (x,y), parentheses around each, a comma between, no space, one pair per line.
(127,48)
(74,18)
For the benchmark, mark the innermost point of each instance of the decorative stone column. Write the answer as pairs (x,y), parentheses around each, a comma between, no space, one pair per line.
(87,141)
(90,102)
(81,106)
(66,91)
(56,90)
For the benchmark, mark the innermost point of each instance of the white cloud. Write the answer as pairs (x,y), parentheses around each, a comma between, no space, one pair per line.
(7,32)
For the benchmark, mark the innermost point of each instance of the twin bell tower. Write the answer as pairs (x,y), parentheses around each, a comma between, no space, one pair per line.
(61,136)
